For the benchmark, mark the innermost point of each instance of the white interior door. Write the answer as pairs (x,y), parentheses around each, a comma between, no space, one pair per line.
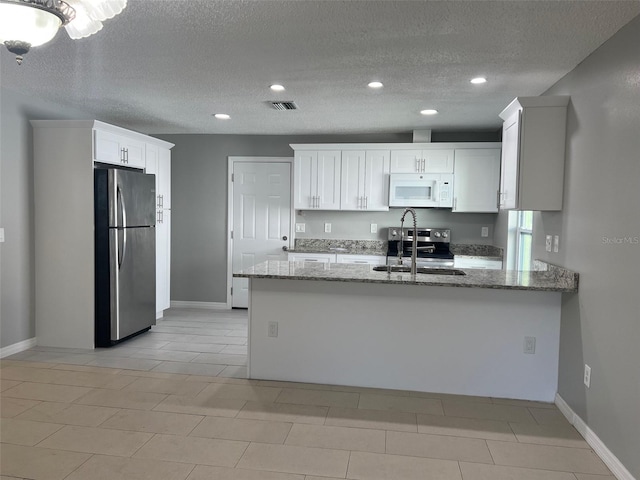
(261,218)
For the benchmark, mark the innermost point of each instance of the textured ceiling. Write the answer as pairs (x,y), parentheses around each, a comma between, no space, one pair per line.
(166,66)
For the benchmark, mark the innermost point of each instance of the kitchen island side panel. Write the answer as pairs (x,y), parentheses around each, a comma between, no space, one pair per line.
(466,341)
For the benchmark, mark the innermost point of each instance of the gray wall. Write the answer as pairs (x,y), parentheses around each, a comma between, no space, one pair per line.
(17,316)
(599,230)
(199,207)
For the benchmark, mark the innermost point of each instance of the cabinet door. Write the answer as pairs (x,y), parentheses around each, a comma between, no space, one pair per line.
(133,152)
(510,162)
(305,184)
(352,181)
(362,259)
(151,166)
(107,148)
(437,161)
(164,183)
(376,180)
(163,260)
(328,179)
(477,180)
(406,161)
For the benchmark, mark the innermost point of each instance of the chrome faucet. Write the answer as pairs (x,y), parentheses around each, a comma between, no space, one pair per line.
(414,244)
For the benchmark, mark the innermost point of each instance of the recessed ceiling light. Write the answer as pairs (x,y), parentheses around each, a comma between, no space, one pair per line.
(277,88)
(222,116)
(478,80)
(375,85)
(429,111)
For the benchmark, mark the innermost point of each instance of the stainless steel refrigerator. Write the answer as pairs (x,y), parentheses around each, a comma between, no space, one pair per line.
(125,254)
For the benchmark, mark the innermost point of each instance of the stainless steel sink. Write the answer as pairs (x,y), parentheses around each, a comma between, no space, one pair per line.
(423,270)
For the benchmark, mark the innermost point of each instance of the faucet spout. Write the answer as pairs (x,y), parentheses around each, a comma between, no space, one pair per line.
(414,244)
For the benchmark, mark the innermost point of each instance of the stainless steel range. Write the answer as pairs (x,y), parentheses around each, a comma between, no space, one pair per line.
(433,247)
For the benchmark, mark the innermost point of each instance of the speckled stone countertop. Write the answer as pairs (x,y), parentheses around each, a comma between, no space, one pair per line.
(553,279)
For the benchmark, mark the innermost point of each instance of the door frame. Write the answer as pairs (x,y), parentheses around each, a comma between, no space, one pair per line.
(231,162)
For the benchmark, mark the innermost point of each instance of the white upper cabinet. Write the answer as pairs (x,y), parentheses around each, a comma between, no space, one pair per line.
(422,161)
(164,182)
(365,180)
(118,149)
(533,151)
(317,180)
(477,180)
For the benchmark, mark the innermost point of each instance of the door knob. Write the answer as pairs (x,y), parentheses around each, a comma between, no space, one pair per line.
(285,238)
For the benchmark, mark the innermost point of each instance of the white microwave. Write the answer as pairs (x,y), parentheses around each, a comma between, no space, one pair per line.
(421,190)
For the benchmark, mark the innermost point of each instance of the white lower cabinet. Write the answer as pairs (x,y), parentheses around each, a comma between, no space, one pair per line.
(481,263)
(163,261)
(312,257)
(362,259)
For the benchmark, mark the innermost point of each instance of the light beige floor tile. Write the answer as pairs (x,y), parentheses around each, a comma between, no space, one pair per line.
(324,398)
(202,472)
(242,429)
(86,368)
(235,349)
(153,422)
(122,399)
(523,403)
(127,363)
(147,374)
(4,477)
(92,380)
(293,459)
(375,419)
(377,466)
(250,393)
(46,392)
(547,458)
(167,386)
(221,359)
(227,380)
(402,404)
(197,347)
(101,467)
(304,386)
(546,416)
(7,384)
(39,463)
(163,355)
(476,471)
(24,363)
(25,432)
(341,438)
(587,476)
(11,407)
(189,368)
(282,412)
(507,413)
(96,440)
(203,451)
(68,414)
(558,435)
(438,446)
(201,405)
(449,397)
(465,427)
(234,371)
(26,374)
(311,477)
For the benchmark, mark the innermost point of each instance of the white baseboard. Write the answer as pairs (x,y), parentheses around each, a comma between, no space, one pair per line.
(610,460)
(203,305)
(18,347)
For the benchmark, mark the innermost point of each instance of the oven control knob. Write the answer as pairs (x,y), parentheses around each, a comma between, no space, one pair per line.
(437,234)
(444,235)
(394,233)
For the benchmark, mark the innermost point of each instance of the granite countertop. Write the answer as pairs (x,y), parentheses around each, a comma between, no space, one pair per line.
(547,277)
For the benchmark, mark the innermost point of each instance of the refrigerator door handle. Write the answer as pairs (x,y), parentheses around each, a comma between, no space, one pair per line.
(123,208)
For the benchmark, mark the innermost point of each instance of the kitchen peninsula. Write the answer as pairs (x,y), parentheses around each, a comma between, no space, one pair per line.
(348,324)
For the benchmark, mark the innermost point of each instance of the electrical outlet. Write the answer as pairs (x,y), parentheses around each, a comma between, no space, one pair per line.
(1,235)
(547,243)
(556,243)
(530,345)
(587,375)
(484,232)
(300,227)
(273,329)
(327,228)
(374,228)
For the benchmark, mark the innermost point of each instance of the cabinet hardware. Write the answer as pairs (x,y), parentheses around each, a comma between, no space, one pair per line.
(424,165)
(455,204)
(366,202)
(417,164)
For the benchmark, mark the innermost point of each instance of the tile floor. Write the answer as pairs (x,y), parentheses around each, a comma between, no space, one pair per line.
(172,404)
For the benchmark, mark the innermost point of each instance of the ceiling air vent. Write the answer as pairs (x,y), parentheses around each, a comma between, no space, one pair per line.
(284,105)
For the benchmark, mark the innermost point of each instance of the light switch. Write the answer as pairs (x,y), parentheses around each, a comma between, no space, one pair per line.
(374,228)
(300,227)
(484,232)
(1,235)
(556,243)
(547,243)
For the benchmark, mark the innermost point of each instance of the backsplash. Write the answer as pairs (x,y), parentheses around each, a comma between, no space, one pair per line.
(475,250)
(372,247)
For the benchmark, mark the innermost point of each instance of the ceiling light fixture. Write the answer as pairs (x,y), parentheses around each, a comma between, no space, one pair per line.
(277,88)
(222,116)
(478,80)
(429,111)
(31,23)
(376,85)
